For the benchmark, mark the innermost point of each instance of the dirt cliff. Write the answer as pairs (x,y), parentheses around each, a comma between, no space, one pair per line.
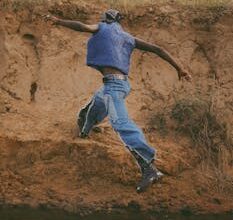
(44,82)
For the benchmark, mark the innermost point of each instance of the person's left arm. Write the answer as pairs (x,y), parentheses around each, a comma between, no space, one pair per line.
(143,45)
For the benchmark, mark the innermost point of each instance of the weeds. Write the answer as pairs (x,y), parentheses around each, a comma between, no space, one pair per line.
(125,4)
(210,136)
(159,122)
(196,120)
(134,3)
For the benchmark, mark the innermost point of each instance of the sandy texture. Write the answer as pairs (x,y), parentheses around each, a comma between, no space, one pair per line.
(44,82)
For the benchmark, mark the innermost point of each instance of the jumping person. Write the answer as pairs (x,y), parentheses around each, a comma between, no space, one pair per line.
(109,50)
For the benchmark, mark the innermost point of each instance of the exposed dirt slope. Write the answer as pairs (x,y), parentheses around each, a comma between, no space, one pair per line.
(44,81)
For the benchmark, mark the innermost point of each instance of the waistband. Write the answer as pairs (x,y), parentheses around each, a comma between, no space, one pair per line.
(115,76)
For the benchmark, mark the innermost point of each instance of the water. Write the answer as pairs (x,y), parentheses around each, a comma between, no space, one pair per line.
(45,214)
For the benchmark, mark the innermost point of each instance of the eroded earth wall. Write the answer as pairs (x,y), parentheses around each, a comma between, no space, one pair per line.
(44,82)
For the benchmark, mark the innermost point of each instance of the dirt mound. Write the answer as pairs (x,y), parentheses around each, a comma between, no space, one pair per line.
(44,82)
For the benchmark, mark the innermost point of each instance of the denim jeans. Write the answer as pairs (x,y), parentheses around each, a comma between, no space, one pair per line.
(110,101)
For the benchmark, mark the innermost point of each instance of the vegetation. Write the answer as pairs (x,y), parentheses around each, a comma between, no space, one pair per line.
(196,119)
(127,4)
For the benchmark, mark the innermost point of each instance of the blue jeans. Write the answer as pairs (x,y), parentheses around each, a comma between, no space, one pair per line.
(110,101)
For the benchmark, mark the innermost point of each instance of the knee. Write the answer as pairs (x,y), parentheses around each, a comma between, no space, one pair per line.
(119,124)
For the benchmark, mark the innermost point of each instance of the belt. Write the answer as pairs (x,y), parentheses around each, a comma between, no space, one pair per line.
(114,76)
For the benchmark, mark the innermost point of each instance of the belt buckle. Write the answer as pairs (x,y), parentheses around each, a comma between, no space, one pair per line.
(120,77)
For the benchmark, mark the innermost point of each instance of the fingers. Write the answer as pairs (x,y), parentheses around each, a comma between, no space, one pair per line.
(46,17)
(184,75)
(51,18)
(181,75)
(188,77)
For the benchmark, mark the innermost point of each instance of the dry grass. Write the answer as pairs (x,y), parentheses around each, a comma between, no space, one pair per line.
(133,3)
(126,4)
(209,135)
(197,119)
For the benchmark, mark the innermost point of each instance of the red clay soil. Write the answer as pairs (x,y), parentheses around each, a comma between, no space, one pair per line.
(44,82)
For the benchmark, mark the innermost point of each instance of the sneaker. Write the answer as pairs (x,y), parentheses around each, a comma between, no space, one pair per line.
(80,123)
(149,176)
(83,135)
(81,120)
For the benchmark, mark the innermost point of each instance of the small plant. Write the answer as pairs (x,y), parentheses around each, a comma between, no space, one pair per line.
(209,3)
(133,3)
(159,122)
(196,120)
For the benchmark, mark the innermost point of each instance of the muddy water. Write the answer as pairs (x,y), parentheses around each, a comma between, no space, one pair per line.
(44,214)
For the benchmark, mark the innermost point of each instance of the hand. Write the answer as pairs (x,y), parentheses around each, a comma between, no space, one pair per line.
(52,18)
(184,74)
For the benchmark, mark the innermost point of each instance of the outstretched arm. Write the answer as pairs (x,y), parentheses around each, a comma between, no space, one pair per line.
(143,45)
(75,25)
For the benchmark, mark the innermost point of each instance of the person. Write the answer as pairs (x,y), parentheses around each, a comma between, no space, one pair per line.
(109,50)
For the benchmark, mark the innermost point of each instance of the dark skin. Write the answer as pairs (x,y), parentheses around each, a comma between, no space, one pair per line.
(140,44)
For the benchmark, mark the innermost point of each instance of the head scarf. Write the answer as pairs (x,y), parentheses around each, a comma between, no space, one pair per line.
(111,16)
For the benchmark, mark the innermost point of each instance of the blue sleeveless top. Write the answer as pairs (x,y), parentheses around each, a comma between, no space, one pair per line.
(110,47)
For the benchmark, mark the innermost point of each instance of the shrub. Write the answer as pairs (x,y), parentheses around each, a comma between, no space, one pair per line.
(196,119)
(209,135)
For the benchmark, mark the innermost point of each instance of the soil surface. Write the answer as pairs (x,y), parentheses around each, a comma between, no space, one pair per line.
(44,82)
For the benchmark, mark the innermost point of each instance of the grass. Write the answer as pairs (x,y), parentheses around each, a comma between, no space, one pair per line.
(133,3)
(126,4)
(71,9)
(159,123)
(196,119)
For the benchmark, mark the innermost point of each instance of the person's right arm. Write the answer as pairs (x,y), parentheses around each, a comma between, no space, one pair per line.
(75,25)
